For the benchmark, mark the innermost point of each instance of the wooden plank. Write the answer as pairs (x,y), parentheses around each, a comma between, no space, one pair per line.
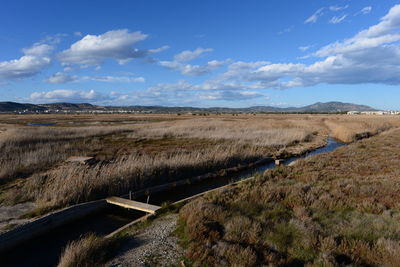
(130,204)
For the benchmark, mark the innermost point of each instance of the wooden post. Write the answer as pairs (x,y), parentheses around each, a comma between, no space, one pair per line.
(130,195)
(148,198)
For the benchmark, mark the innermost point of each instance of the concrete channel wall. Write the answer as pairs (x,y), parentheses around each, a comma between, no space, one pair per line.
(224,172)
(30,230)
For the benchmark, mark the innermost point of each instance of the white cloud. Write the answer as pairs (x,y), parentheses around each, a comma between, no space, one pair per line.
(366,10)
(79,96)
(158,50)
(305,48)
(66,95)
(189,55)
(115,79)
(314,17)
(60,77)
(115,44)
(36,58)
(337,19)
(179,63)
(193,70)
(370,56)
(230,95)
(38,49)
(338,8)
(385,32)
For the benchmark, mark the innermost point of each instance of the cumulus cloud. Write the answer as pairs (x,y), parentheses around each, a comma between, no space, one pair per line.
(35,59)
(314,17)
(115,79)
(188,55)
(337,19)
(371,56)
(186,93)
(179,63)
(385,32)
(60,77)
(230,95)
(193,70)
(65,95)
(77,96)
(115,44)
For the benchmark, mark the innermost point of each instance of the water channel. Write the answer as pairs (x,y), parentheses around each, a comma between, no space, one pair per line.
(45,250)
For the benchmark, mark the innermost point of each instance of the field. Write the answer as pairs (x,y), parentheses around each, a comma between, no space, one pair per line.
(137,151)
(334,209)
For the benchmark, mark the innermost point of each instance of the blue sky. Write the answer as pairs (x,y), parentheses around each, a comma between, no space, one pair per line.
(201,53)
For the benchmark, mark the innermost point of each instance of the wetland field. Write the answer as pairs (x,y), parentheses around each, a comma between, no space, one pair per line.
(287,215)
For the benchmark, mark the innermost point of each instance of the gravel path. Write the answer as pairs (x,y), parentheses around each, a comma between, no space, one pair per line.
(152,246)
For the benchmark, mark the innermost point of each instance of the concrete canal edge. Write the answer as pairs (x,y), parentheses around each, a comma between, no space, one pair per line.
(179,202)
(20,234)
(40,226)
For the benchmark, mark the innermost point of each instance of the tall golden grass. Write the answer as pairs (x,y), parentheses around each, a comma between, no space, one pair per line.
(156,152)
(255,131)
(71,184)
(27,150)
(348,129)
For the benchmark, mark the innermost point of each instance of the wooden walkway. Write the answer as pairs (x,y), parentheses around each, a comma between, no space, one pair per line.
(130,204)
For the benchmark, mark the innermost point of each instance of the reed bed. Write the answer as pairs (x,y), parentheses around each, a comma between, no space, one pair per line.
(28,150)
(154,153)
(351,129)
(260,132)
(71,184)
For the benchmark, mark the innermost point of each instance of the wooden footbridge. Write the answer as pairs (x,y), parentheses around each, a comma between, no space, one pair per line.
(130,204)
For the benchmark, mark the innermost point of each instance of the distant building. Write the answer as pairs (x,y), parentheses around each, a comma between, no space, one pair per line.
(376,112)
(353,112)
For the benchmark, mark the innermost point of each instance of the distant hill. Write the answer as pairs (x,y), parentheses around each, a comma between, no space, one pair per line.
(69,106)
(328,107)
(319,107)
(12,106)
(335,107)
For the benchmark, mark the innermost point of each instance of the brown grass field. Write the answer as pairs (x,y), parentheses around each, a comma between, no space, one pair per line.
(136,151)
(333,209)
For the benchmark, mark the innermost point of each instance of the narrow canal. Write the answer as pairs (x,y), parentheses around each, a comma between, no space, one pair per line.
(45,250)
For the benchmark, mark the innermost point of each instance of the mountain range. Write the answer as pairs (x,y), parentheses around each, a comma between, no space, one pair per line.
(319,107)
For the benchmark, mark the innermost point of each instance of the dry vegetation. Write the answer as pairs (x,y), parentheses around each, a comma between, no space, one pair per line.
(335,209)
(28,150)
(88,251)
(165,148)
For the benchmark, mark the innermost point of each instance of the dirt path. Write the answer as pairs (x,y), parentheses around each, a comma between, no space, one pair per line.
(153,245)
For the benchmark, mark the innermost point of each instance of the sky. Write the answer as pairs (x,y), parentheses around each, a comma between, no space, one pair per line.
(204,53)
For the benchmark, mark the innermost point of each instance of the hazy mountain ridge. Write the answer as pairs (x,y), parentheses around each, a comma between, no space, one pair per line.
(319,107)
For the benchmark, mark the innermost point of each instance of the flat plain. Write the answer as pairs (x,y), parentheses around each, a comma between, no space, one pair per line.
(280,214)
